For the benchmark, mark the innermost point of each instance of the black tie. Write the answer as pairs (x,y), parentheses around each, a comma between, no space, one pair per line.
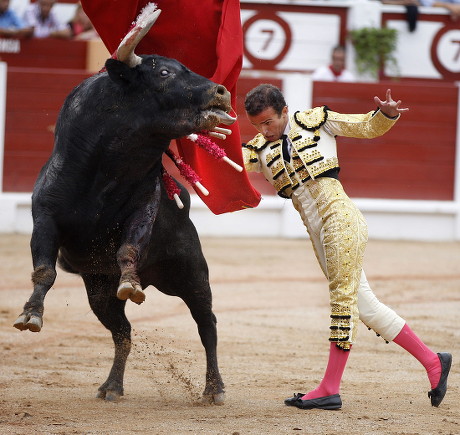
(286,155)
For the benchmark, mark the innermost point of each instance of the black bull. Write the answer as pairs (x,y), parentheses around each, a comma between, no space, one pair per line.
(100,208)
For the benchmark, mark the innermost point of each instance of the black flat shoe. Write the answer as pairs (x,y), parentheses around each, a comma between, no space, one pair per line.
(327,402)
(291,400)
(437,394)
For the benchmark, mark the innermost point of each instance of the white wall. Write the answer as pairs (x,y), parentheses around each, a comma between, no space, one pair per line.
(387,219)
(3,77)
(275,217)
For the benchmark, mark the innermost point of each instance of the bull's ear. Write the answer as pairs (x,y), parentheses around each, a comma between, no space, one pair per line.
(119,72)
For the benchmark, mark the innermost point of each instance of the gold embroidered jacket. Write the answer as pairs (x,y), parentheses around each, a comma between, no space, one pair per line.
(314,149)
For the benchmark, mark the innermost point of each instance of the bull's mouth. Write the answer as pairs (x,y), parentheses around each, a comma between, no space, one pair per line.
(223,117)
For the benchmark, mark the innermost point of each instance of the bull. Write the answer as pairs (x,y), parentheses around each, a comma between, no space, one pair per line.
(100,208)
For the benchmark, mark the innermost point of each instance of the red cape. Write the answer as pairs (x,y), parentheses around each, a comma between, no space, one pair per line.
(206,36)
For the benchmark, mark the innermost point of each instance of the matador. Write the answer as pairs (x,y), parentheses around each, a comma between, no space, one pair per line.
(297,154)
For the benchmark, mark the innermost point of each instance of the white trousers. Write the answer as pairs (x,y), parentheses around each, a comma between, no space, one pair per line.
(338,232)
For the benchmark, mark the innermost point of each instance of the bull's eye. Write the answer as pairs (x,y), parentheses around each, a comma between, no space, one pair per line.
(164,73)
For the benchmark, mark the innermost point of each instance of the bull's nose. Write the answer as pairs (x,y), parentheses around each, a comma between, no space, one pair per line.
(221,90)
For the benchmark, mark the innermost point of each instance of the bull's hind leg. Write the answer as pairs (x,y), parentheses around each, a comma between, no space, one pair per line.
(134,246)
(111,313)
(189,280)
(44,247)
(200,308)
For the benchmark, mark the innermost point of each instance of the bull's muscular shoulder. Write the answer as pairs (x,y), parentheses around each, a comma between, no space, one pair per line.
(257,143)
(311,119)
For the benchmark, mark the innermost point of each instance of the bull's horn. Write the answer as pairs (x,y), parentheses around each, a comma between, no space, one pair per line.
(144,21)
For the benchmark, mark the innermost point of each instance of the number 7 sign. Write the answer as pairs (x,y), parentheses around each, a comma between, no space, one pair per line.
(445,52)
(267,39)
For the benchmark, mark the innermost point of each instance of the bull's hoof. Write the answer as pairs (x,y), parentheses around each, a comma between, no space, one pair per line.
(32,323)
(216,399)
(109,395)
(128,291)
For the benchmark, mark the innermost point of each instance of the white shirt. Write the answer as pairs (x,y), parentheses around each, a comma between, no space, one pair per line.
(42,29)
(430,2)
(325,74)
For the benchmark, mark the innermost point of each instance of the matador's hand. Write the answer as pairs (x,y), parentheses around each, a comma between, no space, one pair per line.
(390,107)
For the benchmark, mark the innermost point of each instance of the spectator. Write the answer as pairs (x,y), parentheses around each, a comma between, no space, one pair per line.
(411,11)
(10,24)
(434,3)
(336,71)
(80,26)
(45,24)
(453,6)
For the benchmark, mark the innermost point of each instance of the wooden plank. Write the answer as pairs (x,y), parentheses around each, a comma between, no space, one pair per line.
(414,160)
(30,140)
(41,121)
(48,53)
(22,171)
(43,78)
(27,101)
(34,98)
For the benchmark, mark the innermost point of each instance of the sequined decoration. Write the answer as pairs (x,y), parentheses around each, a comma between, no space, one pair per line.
(343,233)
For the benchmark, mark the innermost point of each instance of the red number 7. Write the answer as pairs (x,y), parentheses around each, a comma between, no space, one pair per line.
(457,56)
(271,33)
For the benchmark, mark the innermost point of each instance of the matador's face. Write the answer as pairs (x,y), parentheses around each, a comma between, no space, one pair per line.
(269,123)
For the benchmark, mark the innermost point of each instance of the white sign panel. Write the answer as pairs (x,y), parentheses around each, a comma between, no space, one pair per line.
(289,41)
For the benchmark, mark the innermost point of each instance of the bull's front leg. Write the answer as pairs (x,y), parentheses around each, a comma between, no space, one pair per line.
(129,286)
(44,247)
(134,245)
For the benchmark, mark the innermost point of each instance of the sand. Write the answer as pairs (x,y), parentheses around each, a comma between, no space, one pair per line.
(271,303)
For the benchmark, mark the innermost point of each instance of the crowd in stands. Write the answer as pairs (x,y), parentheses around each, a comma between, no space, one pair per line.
(452,6)
(40,21)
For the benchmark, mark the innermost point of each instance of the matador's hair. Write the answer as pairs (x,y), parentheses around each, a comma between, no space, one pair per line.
(262,97)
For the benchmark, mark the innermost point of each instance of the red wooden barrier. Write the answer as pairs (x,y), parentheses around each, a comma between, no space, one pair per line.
(414,160)
(48,53)
(34,97)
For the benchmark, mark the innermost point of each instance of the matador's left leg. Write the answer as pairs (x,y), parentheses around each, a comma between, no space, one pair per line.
(338,232)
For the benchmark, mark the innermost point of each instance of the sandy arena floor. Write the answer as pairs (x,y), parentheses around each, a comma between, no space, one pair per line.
(273,330)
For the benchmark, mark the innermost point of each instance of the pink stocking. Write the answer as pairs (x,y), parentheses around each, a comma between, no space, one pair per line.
(430,360)
(331,382)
